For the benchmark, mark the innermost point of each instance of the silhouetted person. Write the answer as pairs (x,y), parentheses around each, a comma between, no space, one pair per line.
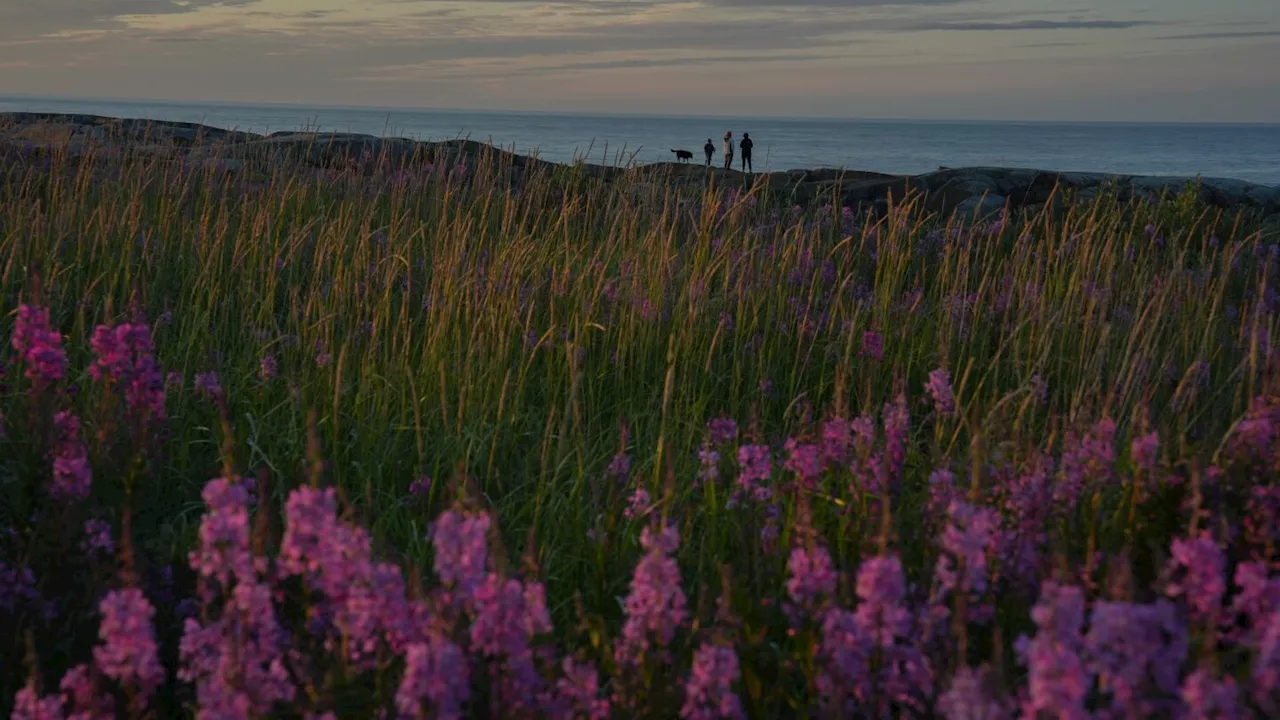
(728,150)
(709,149)
(746,146)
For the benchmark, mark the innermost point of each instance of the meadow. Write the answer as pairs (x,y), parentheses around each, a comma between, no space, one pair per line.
(422,443)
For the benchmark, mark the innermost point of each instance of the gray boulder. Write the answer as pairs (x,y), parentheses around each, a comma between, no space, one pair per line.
(981,206)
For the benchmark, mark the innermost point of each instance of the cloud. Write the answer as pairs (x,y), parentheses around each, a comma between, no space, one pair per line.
(836,4)
(973,26)
(635,43)
(632,63)
(554,66)
(1037,46)
(1223,35)
(629,6)
(24,19)
(178,39)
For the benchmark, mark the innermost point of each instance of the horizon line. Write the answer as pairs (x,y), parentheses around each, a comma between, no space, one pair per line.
(606,114)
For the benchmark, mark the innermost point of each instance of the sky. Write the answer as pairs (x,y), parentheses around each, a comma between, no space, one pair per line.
(1106,60)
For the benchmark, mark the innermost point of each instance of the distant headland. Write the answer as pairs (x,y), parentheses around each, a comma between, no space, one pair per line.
(969,190)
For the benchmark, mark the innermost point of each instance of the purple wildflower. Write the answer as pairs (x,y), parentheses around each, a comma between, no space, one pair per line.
(461,551)
(897,423)
(756,467)
(805,460)
(655,607)
(27,705)
(84,700)
(844,683)
(1059,679)
(420,487)
(709,691)
(1087,460)
(1144,451)
(942,490)
(638,506)
(811,577)
(1139,650)
(508,614)
(97,537)
(1256,432)
(1262,521)
(1265,676)
(223,553)
(39,347)
(1207,698)
(969,539)
(128,650)
(939,387)
(769,533)
(237,662)
(577,694)
(872,345)
(366,600)
(435,671)
(723,430)
(309,518)
(1198,575)
(208,384)
(619,467)
(268,368)
(863,430)
(708,465)
(837,441)
(17,587)
(970,697)
(869,659)
(126,359)
(1256,603)
(72,476)
(1025,500)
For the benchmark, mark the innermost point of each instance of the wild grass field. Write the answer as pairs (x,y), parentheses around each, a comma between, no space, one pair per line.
(425,444)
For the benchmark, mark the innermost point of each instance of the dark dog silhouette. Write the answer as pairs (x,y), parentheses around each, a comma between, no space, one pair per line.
(683,155)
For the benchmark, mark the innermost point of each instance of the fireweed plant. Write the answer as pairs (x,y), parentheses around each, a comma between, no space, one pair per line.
(421,443)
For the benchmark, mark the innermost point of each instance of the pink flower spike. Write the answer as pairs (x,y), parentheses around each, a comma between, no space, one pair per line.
(128,652)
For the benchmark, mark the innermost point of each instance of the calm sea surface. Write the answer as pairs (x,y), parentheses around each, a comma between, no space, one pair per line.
(1245,152)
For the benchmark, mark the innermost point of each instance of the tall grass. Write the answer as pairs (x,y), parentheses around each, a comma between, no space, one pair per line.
(510,341)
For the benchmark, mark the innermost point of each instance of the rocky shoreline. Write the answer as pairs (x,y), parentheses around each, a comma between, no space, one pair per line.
(974,191)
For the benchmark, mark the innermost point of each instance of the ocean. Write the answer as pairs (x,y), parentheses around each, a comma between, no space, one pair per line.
(1243,152)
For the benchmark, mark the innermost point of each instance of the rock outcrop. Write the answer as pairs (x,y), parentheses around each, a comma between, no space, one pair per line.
(972,191)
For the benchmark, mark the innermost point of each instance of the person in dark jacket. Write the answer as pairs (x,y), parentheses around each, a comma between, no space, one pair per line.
(746,146)
(709,149)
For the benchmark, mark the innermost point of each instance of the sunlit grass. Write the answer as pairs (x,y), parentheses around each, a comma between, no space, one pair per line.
(443,322)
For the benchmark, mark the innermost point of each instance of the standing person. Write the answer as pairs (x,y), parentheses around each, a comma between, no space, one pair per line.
(746,146)
(709,149)
(728,149)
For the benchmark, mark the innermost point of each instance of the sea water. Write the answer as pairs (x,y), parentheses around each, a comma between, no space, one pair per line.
(1244,152)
